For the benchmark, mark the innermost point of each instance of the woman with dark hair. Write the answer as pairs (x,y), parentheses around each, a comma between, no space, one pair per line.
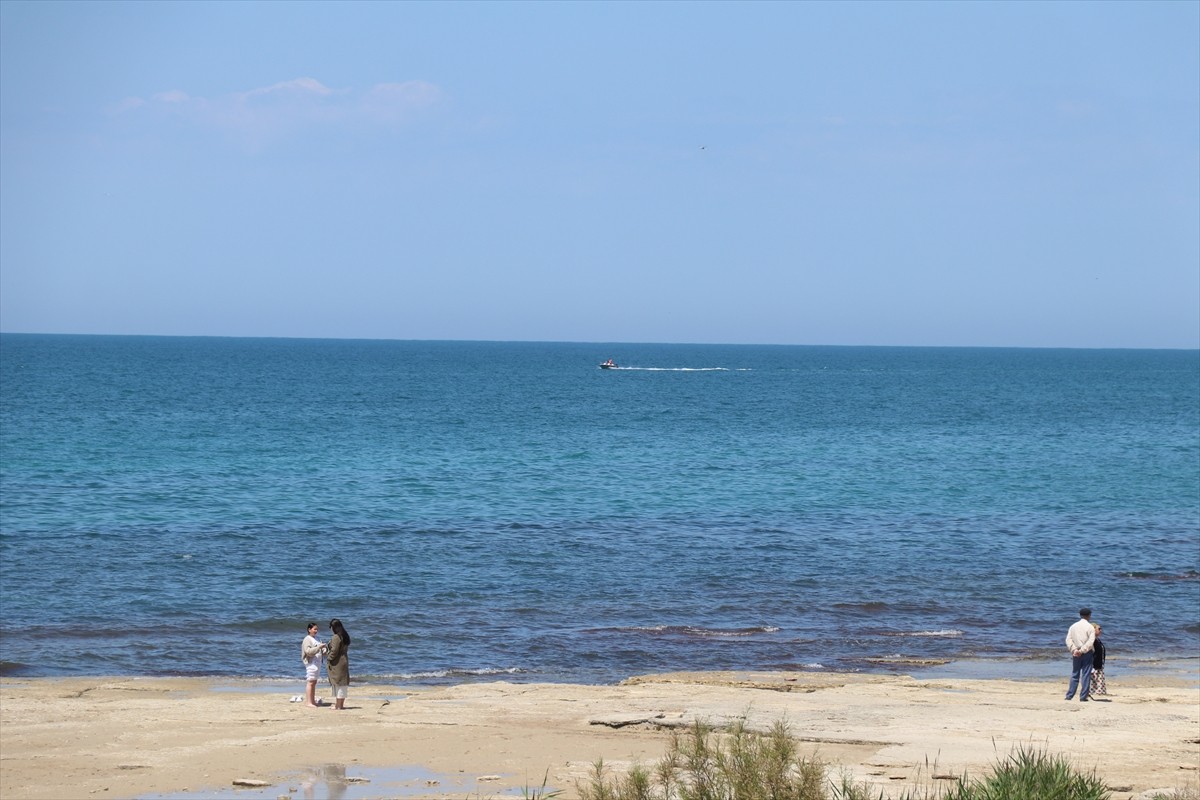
(1099,685)
(337,663)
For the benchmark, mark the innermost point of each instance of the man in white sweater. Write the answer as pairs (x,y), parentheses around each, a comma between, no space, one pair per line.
(1081,641)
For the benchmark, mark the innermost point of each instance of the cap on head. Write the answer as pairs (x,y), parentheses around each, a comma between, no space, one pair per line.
(1085,612)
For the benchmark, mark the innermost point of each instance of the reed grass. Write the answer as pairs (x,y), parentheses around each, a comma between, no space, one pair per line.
(739,764)
(1185,793)
(541,793)
(1031,774)
(736,764)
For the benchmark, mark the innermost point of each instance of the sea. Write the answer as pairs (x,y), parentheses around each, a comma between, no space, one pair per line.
(509,511)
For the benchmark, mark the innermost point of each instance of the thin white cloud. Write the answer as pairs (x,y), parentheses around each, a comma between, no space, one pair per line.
(260,115)
(174,96)
(300,86)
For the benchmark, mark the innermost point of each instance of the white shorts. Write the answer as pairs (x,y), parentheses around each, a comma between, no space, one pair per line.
(339,690)
(312,672)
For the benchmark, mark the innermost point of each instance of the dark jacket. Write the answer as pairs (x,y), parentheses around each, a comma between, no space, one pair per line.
(337,661)
(1098,659)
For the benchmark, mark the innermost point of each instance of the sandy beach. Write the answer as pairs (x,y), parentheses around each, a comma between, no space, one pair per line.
(185,737)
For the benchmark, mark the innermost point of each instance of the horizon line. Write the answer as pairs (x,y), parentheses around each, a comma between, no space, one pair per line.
(607,343)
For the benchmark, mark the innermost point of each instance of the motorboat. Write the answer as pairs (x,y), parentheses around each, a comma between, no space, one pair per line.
(610,364)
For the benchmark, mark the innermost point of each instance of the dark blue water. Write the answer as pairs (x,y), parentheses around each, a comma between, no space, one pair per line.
(185,505)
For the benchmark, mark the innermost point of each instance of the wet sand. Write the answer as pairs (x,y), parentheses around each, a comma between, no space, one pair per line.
(137,737)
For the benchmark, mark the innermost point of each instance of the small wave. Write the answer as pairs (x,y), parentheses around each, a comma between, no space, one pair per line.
(792,666)
(949,633)
(874,605)
(692,630)
(451,673)
(1190,575)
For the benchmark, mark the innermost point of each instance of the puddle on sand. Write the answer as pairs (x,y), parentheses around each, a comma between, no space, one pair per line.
(337,782)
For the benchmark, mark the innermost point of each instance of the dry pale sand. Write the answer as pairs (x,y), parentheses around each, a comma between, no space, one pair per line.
(130,737)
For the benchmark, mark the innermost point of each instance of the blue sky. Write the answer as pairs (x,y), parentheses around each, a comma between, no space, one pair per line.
(995,174)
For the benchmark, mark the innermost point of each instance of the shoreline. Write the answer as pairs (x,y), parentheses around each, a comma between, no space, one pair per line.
(1035,668)
(142,737)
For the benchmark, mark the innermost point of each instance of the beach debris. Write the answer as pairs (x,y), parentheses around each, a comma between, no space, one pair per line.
(657,721)
(356,779)
(488,778)
(432,782)
(838,740)
(251,783)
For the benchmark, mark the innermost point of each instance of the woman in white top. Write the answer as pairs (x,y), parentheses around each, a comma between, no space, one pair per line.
(311,653)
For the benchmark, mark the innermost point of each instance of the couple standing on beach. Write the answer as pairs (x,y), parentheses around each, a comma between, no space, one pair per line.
(335,654)
(1087,658)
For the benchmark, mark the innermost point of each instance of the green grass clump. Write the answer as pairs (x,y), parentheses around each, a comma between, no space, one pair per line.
(735,765)
(1032,775)
(741,765)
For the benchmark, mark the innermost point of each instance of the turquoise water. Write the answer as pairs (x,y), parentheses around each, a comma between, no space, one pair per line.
(185,505)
